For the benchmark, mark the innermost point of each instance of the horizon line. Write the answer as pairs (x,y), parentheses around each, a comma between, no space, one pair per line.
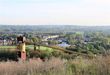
(49,25)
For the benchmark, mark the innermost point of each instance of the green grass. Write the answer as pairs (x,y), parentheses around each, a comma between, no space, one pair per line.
(41,48)
(29,47)
(6,47)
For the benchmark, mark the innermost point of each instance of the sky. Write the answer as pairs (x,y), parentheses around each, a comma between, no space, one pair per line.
(52,12)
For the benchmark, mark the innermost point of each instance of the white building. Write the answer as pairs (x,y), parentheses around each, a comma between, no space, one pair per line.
(45,38)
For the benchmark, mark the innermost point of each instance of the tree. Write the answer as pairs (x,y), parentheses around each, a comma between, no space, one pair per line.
(36,41)
(52,42)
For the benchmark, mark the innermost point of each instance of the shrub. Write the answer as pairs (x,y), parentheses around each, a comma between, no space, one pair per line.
(8,55)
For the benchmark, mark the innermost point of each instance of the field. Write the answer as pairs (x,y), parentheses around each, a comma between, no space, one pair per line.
(28,47)
(42,48)
(7,47)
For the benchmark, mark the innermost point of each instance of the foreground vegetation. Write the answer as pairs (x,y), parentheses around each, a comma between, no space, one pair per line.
(88,53)
(57,66)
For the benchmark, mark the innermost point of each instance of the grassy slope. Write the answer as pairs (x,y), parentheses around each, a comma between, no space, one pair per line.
(28,47)
(4,47)
(41,48)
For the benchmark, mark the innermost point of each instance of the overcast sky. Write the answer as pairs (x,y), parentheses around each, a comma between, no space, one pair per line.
(72,12)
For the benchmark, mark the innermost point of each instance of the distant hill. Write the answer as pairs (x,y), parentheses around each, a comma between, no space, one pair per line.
(53,28)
